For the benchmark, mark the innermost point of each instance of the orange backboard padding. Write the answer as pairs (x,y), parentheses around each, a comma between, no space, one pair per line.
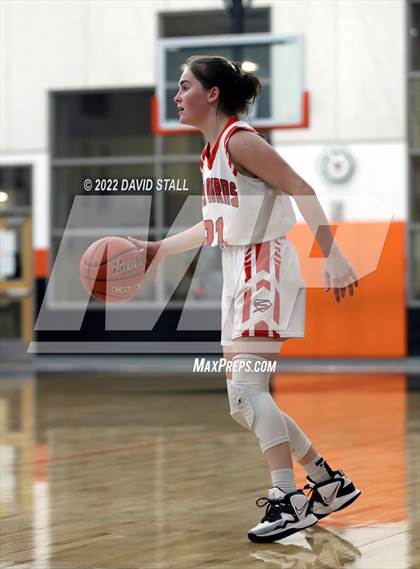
(358,431)
(157,129)
(372,323)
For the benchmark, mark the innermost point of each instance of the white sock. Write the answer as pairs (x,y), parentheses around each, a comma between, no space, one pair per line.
(316,470)
(284,478)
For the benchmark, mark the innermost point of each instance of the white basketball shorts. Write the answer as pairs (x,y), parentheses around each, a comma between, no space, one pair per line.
(263,291)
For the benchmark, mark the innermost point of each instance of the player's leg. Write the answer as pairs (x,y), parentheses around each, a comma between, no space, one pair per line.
(275,440)
(252,405)
(330,490)
(301,447)
(250,400)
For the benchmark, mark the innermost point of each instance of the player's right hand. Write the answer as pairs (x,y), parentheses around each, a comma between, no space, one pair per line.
(153,259)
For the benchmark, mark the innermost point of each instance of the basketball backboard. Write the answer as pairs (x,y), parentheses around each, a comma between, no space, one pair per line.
(277,60)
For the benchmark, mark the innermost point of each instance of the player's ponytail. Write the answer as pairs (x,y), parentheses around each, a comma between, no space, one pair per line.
(250,85)
(238,89)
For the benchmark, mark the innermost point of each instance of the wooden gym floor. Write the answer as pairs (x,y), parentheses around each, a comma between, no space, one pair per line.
(150,472)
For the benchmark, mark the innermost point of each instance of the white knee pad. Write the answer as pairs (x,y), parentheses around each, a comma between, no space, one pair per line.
(241,408)
(251,404)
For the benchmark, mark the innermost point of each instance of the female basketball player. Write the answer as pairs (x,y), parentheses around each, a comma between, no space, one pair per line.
(247,211)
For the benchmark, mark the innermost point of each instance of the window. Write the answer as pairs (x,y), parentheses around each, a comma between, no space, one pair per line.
(414,110)
(415,187)
(96,135)
(414,35)
(67,183)
(15,185)
(413,116)
(102,123)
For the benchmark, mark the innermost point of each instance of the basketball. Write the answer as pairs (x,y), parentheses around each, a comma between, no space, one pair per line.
(112,270)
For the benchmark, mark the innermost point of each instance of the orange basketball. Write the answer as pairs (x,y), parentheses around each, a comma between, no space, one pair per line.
(112,270)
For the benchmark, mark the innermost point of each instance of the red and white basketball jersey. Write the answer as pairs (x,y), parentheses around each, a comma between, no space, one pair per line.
(238,209)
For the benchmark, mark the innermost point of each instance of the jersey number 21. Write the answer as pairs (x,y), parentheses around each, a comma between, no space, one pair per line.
(210,227)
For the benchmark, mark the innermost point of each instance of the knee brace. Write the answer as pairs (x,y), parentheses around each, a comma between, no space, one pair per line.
(241,409)
(251,404)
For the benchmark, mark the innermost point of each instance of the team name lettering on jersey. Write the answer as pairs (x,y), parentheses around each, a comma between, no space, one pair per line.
(219,190)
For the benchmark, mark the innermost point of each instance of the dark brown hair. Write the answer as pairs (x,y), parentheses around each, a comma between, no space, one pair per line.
(238,89)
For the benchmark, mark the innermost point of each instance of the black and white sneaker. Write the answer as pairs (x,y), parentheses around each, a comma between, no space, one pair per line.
(331,495)
(285,515)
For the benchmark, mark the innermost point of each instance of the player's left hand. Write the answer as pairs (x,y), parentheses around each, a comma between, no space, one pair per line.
(339,275)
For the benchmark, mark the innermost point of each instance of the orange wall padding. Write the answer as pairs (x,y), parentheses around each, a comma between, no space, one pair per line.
(372,323)
(41,263)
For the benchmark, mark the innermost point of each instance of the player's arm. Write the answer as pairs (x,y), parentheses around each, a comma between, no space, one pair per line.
(156,251)
(258,157)
(184,241)
(253,153)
